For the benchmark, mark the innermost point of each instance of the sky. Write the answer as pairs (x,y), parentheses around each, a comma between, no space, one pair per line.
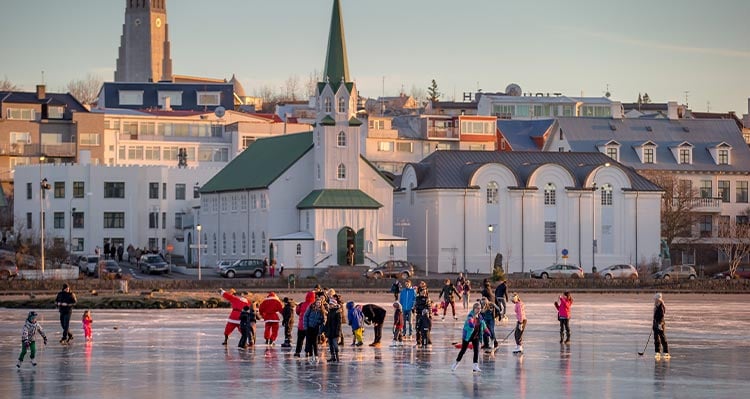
(673,50)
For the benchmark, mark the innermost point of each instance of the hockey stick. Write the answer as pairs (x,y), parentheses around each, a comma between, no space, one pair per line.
(506,337)
(647,341)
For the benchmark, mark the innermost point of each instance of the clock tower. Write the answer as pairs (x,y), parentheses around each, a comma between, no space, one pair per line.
(144,53)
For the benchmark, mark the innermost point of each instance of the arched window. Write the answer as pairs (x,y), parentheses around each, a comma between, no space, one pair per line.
(223,243)
(299,249)
(205,243)
(341,173)
(323,247)
(216,247)
(342,104)
(263,242)
(252,243)
(244,243)
(327,105)
(369,246)
(341,140)
(549,194)
(234,243)
(492,193)
(391,250)
(607,195)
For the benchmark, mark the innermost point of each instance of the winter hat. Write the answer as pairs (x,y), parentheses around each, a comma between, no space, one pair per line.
(657,296)
(65,285)
(31,315)
(333,303)
(396,305)
(285,300)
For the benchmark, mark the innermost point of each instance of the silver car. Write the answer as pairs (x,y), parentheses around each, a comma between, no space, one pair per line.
(558,271)
(676,272)
(619,272)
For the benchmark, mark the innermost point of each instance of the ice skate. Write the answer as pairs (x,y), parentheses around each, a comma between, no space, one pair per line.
(33,362)
(657,356)
(667,356)
(18,364)
(519,349)
(476,368)
(454,366)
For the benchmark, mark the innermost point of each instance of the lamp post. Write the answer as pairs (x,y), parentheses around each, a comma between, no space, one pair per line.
(490,229)
(593,219)
(43,185)
(199,228)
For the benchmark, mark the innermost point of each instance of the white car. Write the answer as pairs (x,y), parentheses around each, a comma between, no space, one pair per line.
(88,263)
(619,271)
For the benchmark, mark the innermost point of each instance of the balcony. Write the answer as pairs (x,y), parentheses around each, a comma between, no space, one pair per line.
(706,205)
(437,132)
(34,150)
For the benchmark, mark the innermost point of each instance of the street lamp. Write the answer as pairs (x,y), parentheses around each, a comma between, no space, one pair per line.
(199,228)
(593,218)
(70,224)
(490,229)
(43,185)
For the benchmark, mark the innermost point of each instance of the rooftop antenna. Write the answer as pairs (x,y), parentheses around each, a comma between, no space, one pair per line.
(687,104)
(43,76)
(382,98)
(607,93)
(708,106)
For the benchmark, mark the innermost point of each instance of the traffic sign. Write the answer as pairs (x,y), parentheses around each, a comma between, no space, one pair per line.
(565,252)
(170,247)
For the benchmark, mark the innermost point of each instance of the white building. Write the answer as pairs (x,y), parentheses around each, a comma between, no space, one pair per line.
(305,199)
(88,205)
(463,207)
(514,104)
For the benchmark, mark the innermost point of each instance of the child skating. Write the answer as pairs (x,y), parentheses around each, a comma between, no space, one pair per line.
(86,322)
(474,327)
(520,322)
(660,339)
(398,325)
(28,338)
(356,320)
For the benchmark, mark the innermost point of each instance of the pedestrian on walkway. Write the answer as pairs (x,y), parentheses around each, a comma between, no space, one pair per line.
(563,305)
(270,309)
(398,325)
(473,329)
(660,339)
(465,292)
(287,320)
(28,338)
(520,309)
(65,301)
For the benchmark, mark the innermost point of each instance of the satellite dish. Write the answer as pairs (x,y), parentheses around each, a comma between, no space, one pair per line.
(219,112)
(513,90)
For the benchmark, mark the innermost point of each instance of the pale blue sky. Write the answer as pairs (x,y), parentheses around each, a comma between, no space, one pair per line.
(663,47)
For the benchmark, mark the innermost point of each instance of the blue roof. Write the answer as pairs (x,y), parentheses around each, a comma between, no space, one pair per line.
(23,97)
(150,90)
(519,133)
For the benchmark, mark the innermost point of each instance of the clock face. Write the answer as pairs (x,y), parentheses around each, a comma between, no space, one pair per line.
(158,22)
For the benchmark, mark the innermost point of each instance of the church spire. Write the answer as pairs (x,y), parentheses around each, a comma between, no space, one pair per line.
(337,65)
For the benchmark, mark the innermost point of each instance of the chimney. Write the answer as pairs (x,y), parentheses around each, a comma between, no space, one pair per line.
(672,110)
(41,92)
(617,110)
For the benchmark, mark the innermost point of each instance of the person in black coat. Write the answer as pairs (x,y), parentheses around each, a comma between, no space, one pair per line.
(333,329)
(65,301)
(374,315)
(287,320)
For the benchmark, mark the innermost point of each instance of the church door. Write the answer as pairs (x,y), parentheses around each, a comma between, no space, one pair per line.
(345,240)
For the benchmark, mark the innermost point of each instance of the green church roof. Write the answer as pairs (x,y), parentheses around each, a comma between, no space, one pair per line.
(328,121)
(354,122)
(337,64)
(338,199)
(261,163)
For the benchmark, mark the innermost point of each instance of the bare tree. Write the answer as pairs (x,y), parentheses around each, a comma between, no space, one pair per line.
(85,90)
(270,97)
(7,85)
(419,94)
(292,88)
(311,86)
(733,242)
(677,206)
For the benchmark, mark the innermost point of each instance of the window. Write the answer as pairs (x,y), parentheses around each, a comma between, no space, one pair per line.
(342,104)
(205,243)
(706,189)
(244,243)
(25,114)
(317,168)
(90,139)
(341,140)
(175,98)
(29,190)
(59,189)
(55,112)
(492,193)
(742,219)
(179,191)
(234,203)
(153,220)
(612,152)
(224,243)
(377,124)
(243,202)
(253,201)
(59,220)
(247,141)
(550,231)
(307,220)
(685,155)
(404,147)
(164,191)
(299,249)
(19,139)
(549,194)
(705,224)
(234,243)
(28,220)
(391,249)
(114,190)
(648,155)
(741,192)
(341,172)
(152,153)
(77,243)
(209,98)
(215,247)
(262,200)
(114,220)
(327,105)
(163,220)
(323,247)
(178,217)
(131,97)
(606,193)
(263,242)
(724,188)
(385,146)
(252,243)
(153,190)
(723,157)
(78,220)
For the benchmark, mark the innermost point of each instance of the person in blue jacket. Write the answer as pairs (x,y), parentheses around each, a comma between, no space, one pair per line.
(474,327)
(406,298)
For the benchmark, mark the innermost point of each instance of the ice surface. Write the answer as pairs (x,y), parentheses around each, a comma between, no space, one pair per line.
(178,354)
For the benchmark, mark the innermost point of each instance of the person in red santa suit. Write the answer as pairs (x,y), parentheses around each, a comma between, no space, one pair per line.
(269,310)
(237,302)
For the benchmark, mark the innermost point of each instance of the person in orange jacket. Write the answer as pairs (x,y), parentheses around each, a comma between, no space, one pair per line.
(238,303)
(269,310)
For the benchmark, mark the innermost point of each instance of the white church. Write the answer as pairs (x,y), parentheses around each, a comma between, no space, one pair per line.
(306,200)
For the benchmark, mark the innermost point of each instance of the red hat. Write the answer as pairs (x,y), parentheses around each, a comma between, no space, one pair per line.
(270,294)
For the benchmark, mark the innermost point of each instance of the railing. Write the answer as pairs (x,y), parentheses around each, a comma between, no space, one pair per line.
(699,204)
(367,258)
(322,260)
(442,133)
(32,150)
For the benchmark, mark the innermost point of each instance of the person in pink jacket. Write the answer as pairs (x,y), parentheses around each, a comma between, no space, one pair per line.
(270,309)
(520,322)
(563,305)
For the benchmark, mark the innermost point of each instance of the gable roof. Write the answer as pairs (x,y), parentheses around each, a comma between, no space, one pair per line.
(455,169)
(24,97)
(338,199)
(583,134)
(521,133)
(261,163)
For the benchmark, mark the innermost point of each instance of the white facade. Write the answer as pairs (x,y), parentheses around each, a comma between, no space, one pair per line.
(90,204)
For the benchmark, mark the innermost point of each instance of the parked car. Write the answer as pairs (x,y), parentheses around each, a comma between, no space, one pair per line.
(87,264)
(619,271)
(741,272)
(676,272)
(224,262)
(152,263)
(110,266)
(243,268)
(558,271)
(8,269)
(391,269)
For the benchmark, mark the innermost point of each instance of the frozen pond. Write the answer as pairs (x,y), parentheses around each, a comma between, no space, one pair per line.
(178,354)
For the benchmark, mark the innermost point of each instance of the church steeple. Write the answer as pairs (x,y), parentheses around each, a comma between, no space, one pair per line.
(337,64)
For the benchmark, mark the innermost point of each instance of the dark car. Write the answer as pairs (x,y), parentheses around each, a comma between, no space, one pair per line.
(109,267)
(243,268)
(151,263)
(8,269)
(741,272)
(391,269)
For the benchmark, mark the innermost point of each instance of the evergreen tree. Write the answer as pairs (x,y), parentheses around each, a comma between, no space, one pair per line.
(432,92)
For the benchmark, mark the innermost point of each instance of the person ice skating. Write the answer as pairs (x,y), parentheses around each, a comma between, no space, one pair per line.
(465,292)
(28,338)
(395,288)
(473,329)
(447,295)
(563,305)
(333,329)
(660,339)
(398,325)
(287,320)
(489,312)
(407,297)
(424,326)
(301,333)
(501,298)
(314,319)
(86,322)
(269,310)
(520,310)
(65,301)
(238,303)
(356,321)
(374,315)
(245,340)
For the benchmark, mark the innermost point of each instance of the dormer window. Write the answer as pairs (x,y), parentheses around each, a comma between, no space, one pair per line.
(55,112)
(612,152)
(721,153)
(685,157)
(611,148)
(327,105)
(647,152)
(723,157)
(342,105)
